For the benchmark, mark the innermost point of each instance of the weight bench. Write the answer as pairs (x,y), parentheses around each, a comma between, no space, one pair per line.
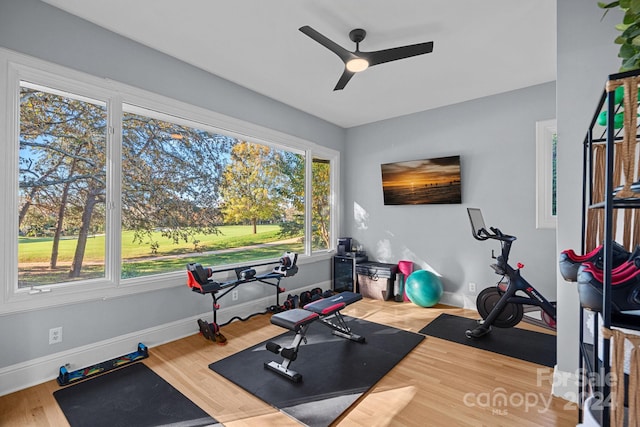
(327,311)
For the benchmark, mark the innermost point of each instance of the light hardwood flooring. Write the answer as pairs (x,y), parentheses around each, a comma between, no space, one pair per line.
(439,383)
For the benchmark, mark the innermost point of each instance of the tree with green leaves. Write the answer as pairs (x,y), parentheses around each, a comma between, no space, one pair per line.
(171,180)
(62,164)
(321,206)
(293,166)
(251,183)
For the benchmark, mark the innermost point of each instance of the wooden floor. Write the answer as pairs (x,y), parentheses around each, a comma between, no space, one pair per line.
(438,384)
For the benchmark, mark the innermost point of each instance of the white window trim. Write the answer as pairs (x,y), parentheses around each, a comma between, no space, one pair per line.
(544,169)
(15,67)
(334,208)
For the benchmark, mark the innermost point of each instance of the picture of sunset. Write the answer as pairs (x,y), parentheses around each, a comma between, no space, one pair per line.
(420,182)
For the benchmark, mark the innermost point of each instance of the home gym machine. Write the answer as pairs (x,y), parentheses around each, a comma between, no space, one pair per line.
(499,305)
(200,281)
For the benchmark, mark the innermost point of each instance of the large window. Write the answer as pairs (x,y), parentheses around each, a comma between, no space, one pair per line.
(62,183)
(190,193)
(113,185)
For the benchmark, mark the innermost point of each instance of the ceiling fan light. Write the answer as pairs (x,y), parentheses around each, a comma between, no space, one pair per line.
(357,64)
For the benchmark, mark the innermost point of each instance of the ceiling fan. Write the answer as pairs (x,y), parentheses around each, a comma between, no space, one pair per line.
(357,61)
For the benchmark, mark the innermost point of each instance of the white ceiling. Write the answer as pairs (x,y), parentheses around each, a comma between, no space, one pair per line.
(481,47)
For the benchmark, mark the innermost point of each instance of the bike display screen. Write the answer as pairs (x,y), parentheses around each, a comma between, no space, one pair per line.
(477,222)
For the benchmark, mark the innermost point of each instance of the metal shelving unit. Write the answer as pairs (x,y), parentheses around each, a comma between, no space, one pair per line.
(590,363)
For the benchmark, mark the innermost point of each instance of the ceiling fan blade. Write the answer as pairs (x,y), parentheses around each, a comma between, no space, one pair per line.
(393,54)
(343,53)
(344,79)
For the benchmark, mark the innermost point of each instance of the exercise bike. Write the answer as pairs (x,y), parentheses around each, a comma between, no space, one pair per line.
(500,305)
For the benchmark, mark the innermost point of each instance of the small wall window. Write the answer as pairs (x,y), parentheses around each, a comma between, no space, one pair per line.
(546,142)
(321,205)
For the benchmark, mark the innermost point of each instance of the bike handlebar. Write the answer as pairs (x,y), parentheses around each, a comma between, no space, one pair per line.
(483,234)
(479,231)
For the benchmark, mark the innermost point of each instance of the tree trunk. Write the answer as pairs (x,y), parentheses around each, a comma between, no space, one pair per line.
(324,233)
(25,208)
(78,257)
(254,222)
(53,262)
(323,225)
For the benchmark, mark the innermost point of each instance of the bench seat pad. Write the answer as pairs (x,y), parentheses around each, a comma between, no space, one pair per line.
(327,306)
(294,319)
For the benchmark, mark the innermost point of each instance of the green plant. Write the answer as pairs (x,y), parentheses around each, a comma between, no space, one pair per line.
(629,39)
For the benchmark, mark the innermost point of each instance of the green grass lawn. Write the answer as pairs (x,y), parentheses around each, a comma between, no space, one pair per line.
(32,250)
(138,260)
(140,268)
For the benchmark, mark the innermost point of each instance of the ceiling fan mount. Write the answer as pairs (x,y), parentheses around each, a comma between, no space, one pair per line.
(358,61)
(357,35)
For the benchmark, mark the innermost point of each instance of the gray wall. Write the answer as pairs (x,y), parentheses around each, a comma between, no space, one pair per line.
(36,29)
(586,56)
(495,138)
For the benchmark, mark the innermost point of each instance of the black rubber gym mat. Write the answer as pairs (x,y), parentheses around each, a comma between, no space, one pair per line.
(335,371)
(526,345)
(130,396)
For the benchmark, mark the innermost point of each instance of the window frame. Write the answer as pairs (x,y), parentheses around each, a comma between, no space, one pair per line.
(77,92)
(545,132)
(15,67)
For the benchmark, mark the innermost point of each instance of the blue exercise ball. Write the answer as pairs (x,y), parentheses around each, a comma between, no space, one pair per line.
(423,288)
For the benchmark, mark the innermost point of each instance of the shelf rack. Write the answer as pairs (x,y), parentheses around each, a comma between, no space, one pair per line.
(609,203)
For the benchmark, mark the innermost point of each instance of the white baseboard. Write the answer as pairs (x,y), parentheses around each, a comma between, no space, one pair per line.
(458,300)
(565,385)
(36,371)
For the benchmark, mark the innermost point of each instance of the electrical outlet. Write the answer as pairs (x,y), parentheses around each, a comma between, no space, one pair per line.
(55,335)
(234,295)
(472,287)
